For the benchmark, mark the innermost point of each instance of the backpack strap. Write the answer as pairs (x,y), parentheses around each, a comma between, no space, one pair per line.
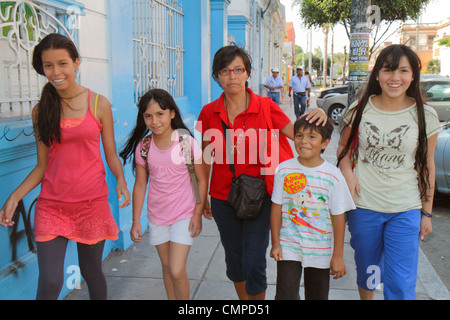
(145,148)
(188,155)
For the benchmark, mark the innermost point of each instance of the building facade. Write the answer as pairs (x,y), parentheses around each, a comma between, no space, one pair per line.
(126,47)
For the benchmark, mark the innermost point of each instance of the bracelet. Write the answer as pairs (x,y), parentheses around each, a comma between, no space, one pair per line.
(425,213)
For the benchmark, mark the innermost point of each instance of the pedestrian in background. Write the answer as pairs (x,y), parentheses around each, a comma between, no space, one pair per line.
(245,241)
(310,197)
(386,154)
(274,85)
(308,97)
(175,217)
(69,121)
(302,89)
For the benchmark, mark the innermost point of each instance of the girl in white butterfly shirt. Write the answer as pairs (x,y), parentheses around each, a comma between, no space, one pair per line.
(386,155)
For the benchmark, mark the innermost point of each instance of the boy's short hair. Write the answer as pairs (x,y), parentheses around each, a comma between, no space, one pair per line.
(325,131)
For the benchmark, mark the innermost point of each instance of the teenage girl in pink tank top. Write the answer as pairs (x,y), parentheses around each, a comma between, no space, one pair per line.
(69,122)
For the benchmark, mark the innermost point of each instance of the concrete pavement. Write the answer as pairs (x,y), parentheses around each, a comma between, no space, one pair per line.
(135,274)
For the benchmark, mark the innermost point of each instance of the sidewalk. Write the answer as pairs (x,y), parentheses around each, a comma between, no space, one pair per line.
(135,274)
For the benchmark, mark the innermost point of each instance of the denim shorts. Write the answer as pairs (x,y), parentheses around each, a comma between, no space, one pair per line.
(386,251)
(245,243)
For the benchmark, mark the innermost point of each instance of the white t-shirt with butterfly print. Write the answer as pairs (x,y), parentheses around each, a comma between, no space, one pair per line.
(386,155)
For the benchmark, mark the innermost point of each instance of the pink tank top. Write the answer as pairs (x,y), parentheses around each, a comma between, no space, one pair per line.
(75,170)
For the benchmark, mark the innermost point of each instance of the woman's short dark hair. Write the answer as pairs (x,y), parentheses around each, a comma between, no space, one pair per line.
(225,55)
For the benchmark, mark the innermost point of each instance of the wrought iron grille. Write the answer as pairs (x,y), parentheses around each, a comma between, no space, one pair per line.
(158,46)
(22,25)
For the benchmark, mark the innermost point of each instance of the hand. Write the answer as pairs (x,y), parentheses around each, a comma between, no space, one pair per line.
(276,253)
(7,212)
(353,185)
(425,227)
(337,267)
(122,192)
(136,232)
(207,213)
(316,114)
(195,226)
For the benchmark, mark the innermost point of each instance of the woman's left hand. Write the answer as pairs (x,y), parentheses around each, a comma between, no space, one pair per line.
(316,114)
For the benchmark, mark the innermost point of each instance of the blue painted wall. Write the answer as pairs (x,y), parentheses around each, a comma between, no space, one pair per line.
(237,26)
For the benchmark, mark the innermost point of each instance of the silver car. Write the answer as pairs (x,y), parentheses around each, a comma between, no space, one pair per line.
(442,160)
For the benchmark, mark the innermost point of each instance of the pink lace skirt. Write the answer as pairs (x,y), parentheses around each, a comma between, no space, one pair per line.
(86,222)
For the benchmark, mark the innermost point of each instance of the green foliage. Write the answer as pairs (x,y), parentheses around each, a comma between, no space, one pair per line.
(434,66)
(318,12)
(444,42)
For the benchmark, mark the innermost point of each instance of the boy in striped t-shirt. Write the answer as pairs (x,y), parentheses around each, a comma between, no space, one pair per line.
(309,199)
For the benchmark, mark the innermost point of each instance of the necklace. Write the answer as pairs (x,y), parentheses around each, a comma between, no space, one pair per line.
(245,113)
(67,103)
(78,94)
(242,134)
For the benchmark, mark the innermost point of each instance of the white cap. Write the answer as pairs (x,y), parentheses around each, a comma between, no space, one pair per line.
(275,69)
(299,67)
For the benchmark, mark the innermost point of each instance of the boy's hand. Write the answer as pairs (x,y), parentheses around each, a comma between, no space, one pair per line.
(337,267)
(276,253)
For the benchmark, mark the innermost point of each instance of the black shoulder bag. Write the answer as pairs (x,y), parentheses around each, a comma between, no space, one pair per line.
(247,193)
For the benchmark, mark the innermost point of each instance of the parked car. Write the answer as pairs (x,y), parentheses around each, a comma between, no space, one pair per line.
(436,91)
(327,93)
(335,106)
(442,160)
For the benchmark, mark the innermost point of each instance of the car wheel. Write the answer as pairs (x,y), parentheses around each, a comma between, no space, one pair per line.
(335,111)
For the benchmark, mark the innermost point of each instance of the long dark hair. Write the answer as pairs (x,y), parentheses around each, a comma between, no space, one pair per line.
(49,111)
(165,101)
(390,58)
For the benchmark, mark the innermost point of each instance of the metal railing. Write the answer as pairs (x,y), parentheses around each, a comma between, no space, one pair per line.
(22,25)
(158,46)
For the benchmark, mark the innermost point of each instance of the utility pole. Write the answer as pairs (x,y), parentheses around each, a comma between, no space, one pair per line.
(359,48)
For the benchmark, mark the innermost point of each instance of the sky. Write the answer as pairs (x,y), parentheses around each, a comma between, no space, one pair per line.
(436,11)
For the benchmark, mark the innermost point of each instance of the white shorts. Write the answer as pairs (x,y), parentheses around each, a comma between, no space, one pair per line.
(177,232)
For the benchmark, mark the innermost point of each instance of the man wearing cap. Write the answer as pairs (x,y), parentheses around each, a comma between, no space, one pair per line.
(274,85)
(302,88)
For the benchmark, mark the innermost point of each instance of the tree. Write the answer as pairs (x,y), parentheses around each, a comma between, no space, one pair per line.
(444,42)
(316,13)
(434,66)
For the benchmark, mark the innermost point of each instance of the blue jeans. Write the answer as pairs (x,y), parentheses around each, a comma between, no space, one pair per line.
(245,243)
(275,96)
(386,250)
(299,100)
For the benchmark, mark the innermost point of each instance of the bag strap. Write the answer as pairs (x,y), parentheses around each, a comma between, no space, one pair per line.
(227,147)
(189,160)
(266,112)
(145,149)
(190,164)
